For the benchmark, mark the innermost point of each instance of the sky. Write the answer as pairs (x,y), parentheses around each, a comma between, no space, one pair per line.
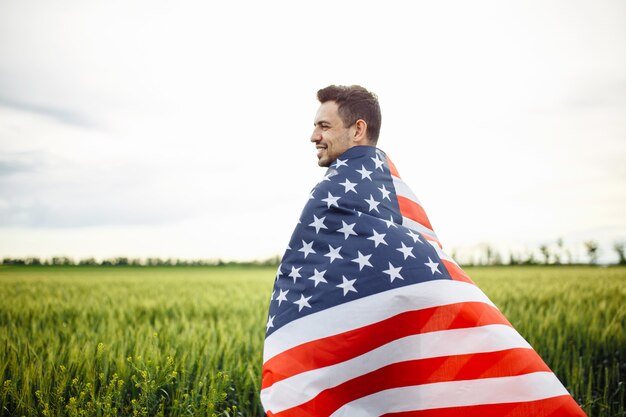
(181,129)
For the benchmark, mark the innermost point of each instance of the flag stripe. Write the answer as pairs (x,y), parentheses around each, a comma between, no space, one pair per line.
(418,227)
(392,168)
(366,310)
(403,190)
(432,350)
(456,272)
(413,211)
(560,406)
(420,372)
(523,388)
(335,349)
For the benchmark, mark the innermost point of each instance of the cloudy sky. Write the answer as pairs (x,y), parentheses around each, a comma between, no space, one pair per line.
(181,129)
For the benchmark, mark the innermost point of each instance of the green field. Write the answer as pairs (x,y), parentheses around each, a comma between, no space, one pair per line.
(101,341)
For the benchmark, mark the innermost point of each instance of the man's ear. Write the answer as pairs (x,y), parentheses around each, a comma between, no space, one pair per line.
(359,133)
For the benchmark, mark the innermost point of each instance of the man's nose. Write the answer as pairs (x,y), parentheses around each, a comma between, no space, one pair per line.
(316,136)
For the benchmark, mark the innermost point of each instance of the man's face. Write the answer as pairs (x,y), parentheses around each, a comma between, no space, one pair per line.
(331,138)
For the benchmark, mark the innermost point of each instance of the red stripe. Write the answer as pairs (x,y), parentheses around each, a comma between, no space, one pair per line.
(561,406)
(392,168)
(456,272)
(412,210)
(510,362)
(338,348)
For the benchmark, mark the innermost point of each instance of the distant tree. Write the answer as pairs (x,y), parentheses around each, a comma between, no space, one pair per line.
(120,261)
(529,259)
(13,261)
(88,262)
(558,251)
(569,256)
(153,261)
(620,248)
(33,261)
(515,259)
(496,258)
(545,251)
(489,253)
(592,251)
(62,261)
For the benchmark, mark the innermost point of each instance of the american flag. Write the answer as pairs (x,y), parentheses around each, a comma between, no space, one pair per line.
(369,317)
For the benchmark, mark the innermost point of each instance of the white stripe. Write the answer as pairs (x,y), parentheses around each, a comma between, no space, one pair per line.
(418,227)
(369,310)
(403,190)
(303,387)
(522,388)
(444,256)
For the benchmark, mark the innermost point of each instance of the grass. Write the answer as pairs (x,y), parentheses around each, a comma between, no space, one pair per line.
(96,341)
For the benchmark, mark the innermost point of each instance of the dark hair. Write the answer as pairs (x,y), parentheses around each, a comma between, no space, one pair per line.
(355,102)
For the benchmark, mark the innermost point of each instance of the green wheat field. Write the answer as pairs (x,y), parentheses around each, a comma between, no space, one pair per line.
(148,341)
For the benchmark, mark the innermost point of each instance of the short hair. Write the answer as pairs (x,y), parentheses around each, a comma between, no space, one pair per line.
(355,102)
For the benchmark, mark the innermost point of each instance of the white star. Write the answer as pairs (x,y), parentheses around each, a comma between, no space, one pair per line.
(279,272)
(318,276)
(406,251)
(326,177)
(303,302)
(393,272)
(311,195)
(347,229)
(416,238)
(390,222)
(333,253)
(331,200)
(306,248)
(272,297)
(385,192)
(377,238)
(318,223)
(373,204)
(282,296)
(295,273)
(362,260)
(433,266)
(378,162)
(347,285)
(270,322)
(364,173)
(341,163)
(349,186)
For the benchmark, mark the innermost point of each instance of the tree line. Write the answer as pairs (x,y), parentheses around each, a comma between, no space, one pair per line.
(546,254)
(137,262)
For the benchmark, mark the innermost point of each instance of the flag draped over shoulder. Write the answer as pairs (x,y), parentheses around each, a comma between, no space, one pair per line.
(370,317)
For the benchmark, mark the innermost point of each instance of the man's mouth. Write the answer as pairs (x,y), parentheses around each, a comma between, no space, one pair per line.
(320,150)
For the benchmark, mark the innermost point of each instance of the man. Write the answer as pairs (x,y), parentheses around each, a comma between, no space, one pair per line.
(370,317)
(347,117)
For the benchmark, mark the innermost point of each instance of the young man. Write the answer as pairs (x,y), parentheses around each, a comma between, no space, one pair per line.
(347,117)
(370,317)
